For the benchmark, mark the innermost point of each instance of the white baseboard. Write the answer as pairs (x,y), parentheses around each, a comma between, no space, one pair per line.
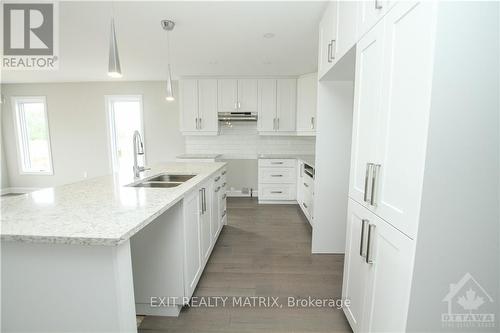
(8,190)
(238,193)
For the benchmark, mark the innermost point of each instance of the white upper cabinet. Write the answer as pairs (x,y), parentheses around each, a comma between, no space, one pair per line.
(406,96)
(338,33)
(267,105)
(188,101)
(307,87)
(277,106)
(327,36)
(238,95)
(369,13)
(347,28)
(228,95)
(247,95)
(367,112)
(207,105)
(198,104)
(286,105)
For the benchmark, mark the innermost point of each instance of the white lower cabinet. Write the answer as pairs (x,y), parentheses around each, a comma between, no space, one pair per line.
(277,180)
(192,240)
(203,221)
(305,192)
(377,273)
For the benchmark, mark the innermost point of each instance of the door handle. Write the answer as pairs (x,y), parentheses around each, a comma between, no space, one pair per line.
(329,52)
(371,231)
(367,176)
(364,223)
(373,194)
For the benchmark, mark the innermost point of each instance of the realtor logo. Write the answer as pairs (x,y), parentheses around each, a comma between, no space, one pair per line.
(467,301)
(29,36)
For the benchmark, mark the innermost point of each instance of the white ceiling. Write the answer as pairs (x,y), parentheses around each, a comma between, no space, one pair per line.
(210,38)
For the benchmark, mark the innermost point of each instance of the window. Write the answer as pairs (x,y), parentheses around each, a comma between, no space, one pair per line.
(125,117)
(33,139)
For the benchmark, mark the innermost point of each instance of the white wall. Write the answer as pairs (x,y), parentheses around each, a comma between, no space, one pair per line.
(78,128)
(333,151)
(460,220)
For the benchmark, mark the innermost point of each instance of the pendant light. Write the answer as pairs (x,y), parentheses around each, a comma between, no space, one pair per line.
(168,26)
(114,68)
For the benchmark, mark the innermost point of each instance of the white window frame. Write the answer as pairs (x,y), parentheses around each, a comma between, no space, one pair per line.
(21,153)
(109,99)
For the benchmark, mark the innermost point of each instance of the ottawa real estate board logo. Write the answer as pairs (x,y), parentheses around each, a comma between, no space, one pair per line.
(469,305)
(30,36)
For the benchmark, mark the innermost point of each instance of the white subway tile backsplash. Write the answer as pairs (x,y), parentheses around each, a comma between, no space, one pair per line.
(243,142)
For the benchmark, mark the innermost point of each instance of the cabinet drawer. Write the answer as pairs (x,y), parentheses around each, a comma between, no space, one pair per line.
(274,162)
(276,192)
(307,183)
(277,175)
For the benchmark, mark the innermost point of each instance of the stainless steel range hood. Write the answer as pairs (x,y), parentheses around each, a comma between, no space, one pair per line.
(237,116)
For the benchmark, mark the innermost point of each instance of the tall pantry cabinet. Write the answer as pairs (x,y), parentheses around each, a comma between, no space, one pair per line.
(394,71)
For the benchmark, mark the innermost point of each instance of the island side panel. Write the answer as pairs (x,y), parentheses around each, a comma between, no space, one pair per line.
(157,261)
(58,287)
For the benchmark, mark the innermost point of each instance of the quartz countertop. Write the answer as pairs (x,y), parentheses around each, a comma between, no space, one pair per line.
(199,156)
(98,211)
(309,159)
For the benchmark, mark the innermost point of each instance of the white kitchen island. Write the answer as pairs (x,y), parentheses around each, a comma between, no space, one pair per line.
(90,255)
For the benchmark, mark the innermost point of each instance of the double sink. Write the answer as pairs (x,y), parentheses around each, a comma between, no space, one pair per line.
(163,180)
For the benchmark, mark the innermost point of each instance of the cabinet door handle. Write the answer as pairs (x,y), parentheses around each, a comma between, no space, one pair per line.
(224,214)
(362,253)
(217,189)
(224,172)
(312,122)
(373,194)
(201,200)
(196,123)
(378,5)
(332,52)
(276,175)
(367,176)
(304,204)
(329,52)
(276,192)
(217,178)
(276,162)
(224,196)
(200,120)
(224,184)
(305,184)
(369,244)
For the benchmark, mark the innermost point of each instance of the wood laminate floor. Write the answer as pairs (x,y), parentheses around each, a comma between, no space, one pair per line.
(265,250)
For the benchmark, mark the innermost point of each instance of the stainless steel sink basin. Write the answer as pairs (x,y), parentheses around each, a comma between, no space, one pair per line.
(163,180)
(157,184)
(171,178)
